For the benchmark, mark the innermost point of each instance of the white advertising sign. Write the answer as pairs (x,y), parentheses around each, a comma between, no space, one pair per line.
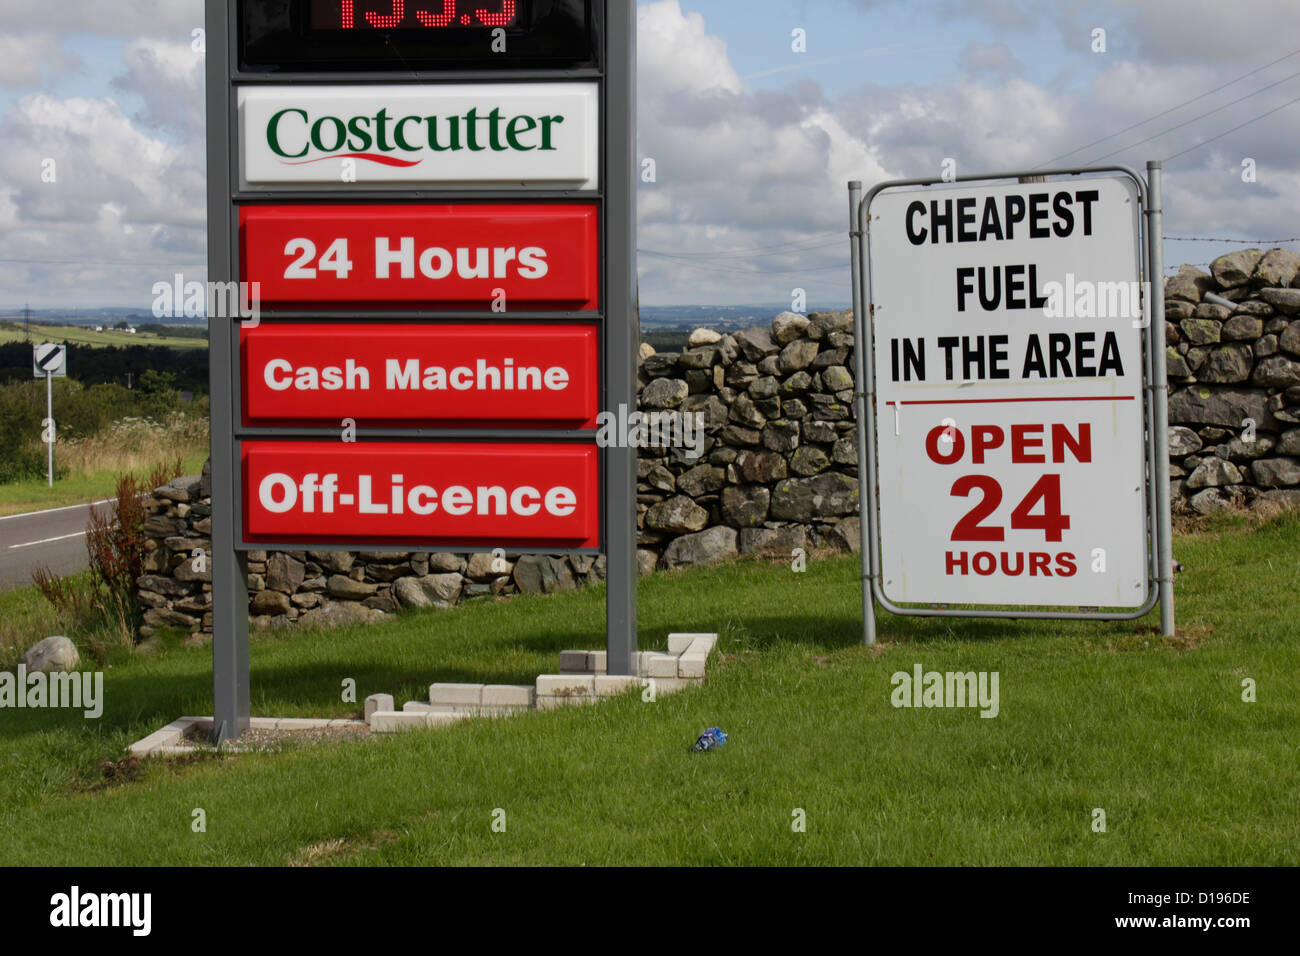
(541,135)
(1009,378)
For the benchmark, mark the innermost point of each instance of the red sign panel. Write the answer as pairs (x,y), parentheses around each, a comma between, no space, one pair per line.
(535,257)
(421,494)
(394,374)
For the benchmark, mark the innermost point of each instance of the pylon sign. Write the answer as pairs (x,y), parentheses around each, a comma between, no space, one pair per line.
(432,205)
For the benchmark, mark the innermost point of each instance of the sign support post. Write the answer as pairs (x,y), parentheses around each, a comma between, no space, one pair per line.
(1160,396)
(864,414)
(230,674)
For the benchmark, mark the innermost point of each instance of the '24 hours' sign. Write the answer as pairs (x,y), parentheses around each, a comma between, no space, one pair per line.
(1009,394)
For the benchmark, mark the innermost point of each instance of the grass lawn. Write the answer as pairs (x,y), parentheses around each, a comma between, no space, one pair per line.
(79,488)
(1108,716)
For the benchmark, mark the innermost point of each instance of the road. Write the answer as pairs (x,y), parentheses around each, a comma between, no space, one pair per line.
(55,538)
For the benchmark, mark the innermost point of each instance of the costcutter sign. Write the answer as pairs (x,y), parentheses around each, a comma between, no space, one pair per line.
(451,374)
(1009,375)
(502,495)
(480,134)
(499,257)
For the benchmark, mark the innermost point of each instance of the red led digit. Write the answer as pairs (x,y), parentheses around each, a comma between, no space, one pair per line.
(347,15)
(381,22)
(438,19)
(498,19)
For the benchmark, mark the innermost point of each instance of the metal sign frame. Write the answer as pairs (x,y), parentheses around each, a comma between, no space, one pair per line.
(616,321)
(1155,404)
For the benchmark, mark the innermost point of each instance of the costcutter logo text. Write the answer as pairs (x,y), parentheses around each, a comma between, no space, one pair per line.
(299,135)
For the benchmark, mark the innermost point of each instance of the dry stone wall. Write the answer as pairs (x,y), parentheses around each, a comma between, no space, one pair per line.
(775,467)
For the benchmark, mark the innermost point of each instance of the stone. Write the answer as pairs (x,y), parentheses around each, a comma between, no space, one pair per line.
(432,590)
(273,603)
(658,366)
(1277,371)
(772,542)
(798,355)
(646,562)
(1231,363)
(1289,443)
(184,489)
(1201,331)
(1183,441)
(788,326)
(765,387)
(825,324)
(1235,268)
(836,378)
(344,587)
(756,344)
(1175,365)
(1177,309)
(1243,328)
(808,460)
(1276,502)
(745,506)
(645,351)
(284,573)
(1209,501)
(677,514)
(846,535)
(1190,284)
(793,408)
(845,451)
(664,393)
(1239,450)
(1284,300)
(707,547)
(544,574)
(186,572)
(1290,338)
(728,350)
(1277,269)
(445,564)
(656,475)
(737,435)
(781,435)
(1214,472)
(1201,405)
(53,655)
(701,480)
(339,562)
(162,585)
(822,496)
(741,374)
(796,384)
(485,566)
(703,337)
(761,466)
(744,413)
(698,358)
(1265,346)
(1276,472)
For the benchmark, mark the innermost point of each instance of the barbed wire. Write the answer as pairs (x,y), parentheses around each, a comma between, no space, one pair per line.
(1248,242)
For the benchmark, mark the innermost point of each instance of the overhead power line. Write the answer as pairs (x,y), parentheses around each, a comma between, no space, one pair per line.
(1254,119)
(1172,109)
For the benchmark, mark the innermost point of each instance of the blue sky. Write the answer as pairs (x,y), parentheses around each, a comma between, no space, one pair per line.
(753,141)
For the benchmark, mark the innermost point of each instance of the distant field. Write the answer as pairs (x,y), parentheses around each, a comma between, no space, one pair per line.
(80,335)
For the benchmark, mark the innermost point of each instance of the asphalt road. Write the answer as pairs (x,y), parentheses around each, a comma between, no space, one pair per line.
(55,538)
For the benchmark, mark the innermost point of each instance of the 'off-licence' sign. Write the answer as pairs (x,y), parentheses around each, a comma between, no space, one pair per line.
(479,134)
(1009,374)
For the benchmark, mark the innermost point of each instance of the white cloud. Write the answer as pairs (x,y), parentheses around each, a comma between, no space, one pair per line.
(28,60)
(136,18)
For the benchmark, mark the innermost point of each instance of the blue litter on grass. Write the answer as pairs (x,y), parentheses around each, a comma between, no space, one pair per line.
(711,739)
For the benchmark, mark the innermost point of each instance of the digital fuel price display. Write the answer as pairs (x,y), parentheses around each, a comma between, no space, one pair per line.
(418,14)
(315,36)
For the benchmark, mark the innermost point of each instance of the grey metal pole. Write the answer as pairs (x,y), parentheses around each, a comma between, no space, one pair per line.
(861,411)
(621,332)
(230,659)
(1160,396)
(49,417)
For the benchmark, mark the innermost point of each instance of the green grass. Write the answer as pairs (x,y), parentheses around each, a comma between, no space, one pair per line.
(80,335)
(1153,731)
(19,497)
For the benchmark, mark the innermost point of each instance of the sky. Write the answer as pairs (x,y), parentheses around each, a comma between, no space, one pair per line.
(756,114)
